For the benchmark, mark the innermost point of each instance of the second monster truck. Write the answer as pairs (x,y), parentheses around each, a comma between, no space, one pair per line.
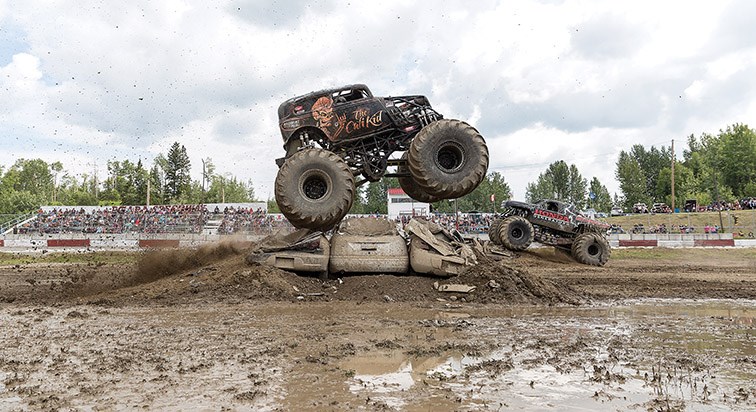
(553,223)
(338,139)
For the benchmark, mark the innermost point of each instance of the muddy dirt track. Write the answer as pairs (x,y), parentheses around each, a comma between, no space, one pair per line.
(203,330)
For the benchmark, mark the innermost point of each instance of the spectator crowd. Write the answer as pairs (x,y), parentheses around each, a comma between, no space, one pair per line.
(149,219)
(195,218)
(118,219)
(246,220)
(464,223)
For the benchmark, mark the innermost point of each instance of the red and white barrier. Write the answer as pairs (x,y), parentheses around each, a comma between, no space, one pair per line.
(134,241)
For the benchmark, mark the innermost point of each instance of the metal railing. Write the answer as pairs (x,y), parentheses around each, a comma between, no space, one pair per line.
(8,222)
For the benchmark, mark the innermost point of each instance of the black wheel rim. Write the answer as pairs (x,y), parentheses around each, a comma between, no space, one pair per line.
(450,157)
(517,233)
(593,249)
(315,187)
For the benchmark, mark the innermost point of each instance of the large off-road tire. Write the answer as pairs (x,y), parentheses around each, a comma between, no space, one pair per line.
(493,231)
(591,249)
(516,233)
(410,187)
(448,158)
(314,189)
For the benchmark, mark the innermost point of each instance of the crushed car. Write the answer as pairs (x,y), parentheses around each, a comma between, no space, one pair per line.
(369,245)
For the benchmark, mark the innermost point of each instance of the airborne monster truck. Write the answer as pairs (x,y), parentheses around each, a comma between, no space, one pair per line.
(340,138)
(552,223)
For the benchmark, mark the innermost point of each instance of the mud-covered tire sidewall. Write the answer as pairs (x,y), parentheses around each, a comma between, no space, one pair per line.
(493,231)
(410,186)
(516,233)
(314,189)
(448,158)
(591,249)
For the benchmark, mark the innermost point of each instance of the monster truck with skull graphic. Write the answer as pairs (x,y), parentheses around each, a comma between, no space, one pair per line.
(552,223)
(338,139)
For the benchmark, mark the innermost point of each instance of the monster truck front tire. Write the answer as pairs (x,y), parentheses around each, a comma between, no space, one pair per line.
(591,249)
(314,189)
(410,187)
(448,158)
(516,233)
(493,231)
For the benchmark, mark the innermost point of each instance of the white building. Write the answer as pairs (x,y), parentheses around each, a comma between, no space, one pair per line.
(399,204)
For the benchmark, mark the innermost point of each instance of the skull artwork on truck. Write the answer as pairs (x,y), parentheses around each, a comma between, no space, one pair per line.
(327,121)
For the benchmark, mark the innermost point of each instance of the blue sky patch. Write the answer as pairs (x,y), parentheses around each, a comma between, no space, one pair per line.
(12,41)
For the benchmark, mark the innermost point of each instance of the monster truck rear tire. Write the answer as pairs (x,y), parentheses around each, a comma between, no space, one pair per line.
(591,249)
(493,231)
(410,186)
(516,233)
(314,189)
(448,158)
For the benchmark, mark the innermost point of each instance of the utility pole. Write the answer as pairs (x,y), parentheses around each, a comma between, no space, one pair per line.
(148,188)
(223,190)
(673,175)
(204,176)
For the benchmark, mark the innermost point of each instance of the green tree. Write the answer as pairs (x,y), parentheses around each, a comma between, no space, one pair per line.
(735,158)
(75,193)
(599,197)
(480,198)
(55,168)
(177,168)
(157,179)
(126,183)
(559,182)
(208,170)
(138,179)
(359,203)
(228,189)
(723,166)
(19,202)
(272,206)
(26,185)
(651,163)
(33,176)
(632,181)
(685,187)
(576,188)
(376,195)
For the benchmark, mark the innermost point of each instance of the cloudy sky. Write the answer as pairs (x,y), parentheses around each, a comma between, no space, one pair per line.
(85,82)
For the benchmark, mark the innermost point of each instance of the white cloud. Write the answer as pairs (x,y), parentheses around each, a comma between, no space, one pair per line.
(543,81)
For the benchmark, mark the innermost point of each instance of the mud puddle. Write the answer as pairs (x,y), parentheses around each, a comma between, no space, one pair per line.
(693,355)
(637,355)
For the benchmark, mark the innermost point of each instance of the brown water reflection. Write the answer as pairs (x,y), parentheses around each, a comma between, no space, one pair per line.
(640,354)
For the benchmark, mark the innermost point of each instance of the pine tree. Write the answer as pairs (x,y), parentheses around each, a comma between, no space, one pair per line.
(177,179)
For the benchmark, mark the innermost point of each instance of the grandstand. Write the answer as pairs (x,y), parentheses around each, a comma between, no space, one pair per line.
(205,219)
(253,219)
(189,219)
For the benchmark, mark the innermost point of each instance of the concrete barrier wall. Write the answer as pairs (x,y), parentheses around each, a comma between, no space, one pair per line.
(675,243)
(745,242)
(672,237)
(134,241)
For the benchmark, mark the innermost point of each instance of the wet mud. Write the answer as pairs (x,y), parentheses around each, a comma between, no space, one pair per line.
(201,329)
